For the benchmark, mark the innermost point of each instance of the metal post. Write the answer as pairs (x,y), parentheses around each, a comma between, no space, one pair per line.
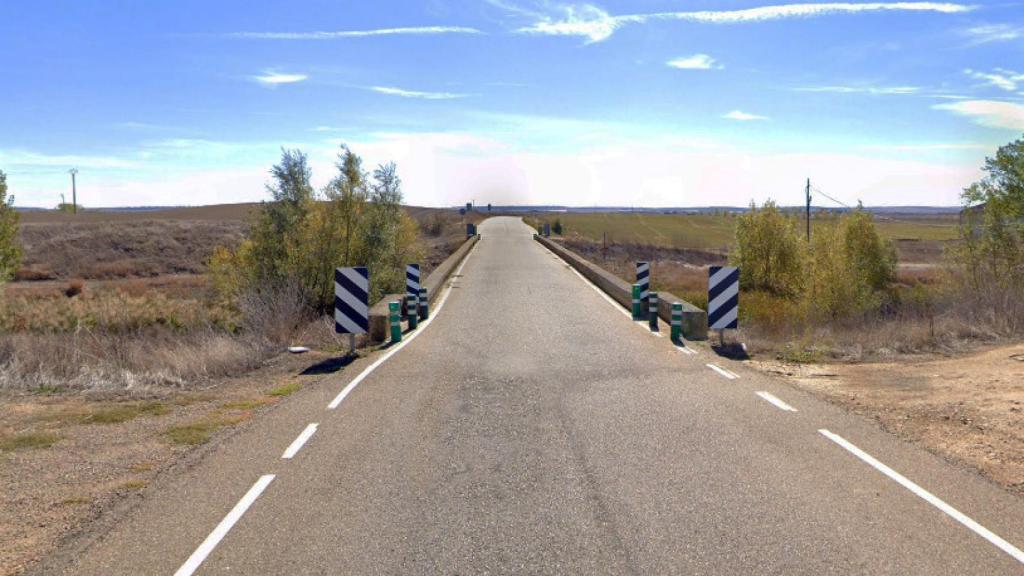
(637,311)
(74,191)
(395,315)
(424,304)
(411,312)
(652,313)
(677,322)
(808,209)
(351,343)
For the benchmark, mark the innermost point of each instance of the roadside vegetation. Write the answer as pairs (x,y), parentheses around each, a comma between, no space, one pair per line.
(862,287)
(168,300)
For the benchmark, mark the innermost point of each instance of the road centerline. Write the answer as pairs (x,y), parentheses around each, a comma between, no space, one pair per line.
(927,496)
(222,529)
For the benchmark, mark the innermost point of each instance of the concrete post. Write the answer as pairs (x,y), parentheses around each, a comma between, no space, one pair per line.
(652,312)
(395,315)
(677,322)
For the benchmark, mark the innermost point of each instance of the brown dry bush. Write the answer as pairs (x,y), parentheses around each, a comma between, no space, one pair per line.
(142,360)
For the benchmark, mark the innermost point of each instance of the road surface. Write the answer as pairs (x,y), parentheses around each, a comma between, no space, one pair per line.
(532,427)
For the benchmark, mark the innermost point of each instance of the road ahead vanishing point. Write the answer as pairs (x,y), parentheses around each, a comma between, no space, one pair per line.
(532,427)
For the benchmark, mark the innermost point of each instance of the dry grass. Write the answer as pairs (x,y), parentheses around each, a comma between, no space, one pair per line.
(286,389)
(111,250)
(925,315)
(118,301)
(27,440)
(139,360)
(200,431)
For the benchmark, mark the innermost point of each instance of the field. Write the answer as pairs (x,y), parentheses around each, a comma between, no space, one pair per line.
(714,232)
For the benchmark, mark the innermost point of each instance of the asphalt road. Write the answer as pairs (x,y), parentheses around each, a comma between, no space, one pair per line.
(532,427)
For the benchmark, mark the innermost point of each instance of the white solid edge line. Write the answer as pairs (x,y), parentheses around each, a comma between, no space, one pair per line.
(224,527)
(927,496)
(776,401)
(600,292)
(686,350)
(297,444)
(422,326)
(723,372)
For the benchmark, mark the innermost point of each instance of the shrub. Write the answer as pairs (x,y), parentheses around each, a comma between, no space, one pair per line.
(297,241)
(75,287)
(769,251)
(557,226)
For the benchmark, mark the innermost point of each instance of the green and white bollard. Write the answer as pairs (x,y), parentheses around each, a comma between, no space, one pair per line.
(652,311)
(395,315)
(637,302)
(677,322)
(424,304)
(411,312)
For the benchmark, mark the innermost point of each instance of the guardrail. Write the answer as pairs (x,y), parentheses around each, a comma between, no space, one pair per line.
(694,320)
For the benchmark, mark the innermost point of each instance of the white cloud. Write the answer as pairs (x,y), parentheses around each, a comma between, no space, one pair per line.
(991,113)
(872,90)
(391,91)
(695,62)
(994,33)
(270,78)
(584,20)
(1000,78)
(320,35)
(15,160)
(743,116)
(596,24)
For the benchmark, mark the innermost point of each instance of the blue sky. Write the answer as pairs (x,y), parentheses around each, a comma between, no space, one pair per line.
(652,102)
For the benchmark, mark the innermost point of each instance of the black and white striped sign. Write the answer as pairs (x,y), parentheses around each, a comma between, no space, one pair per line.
(412,280)
(351,300)
(643,278)
(723,297)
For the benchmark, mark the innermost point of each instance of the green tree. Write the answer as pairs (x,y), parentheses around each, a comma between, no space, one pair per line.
(273,232)
(990,257)
(10,250)
(1003,184)
(347,193)
(769,251)
(871,258)
(557,227)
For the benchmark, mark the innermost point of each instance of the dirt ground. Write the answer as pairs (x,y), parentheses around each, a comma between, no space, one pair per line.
(968,409)
(66,459)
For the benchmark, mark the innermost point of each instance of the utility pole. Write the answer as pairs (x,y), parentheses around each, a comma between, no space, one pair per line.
(808,209)
(74,191)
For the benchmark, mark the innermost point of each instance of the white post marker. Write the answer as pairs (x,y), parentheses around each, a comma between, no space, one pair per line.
(222,529)
(928,497)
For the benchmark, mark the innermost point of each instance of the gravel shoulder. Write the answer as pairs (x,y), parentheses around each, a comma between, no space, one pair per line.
(968,409)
